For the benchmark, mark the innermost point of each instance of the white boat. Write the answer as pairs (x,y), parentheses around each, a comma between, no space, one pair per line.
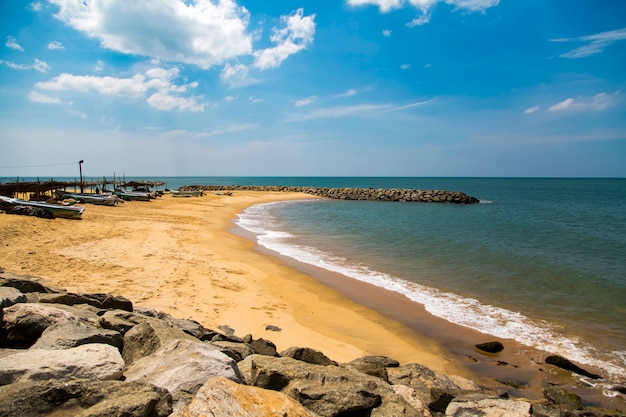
(42,209)
(105,199)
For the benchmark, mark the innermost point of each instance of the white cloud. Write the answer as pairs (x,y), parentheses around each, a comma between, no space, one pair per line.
(56,45)
(599,102)
(15,66)
(12,43)
(202,32)
(360,110)
(166,96)
(99,66)
(305,101)
(41,66)
(425,6)
(351,92)
(255,100)
(236,76)
(38,65)
(164,101)
(405,66)
(36,6)
(297,34)
(383,5)
(595,44)
(531,110)
(42,98)
(387,32)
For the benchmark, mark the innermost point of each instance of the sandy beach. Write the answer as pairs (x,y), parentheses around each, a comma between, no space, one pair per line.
(180,256)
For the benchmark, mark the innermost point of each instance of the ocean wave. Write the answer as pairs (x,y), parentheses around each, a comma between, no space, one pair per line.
(464,311)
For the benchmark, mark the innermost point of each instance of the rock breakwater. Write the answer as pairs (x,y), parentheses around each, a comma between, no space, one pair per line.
(372,194)
(65,354)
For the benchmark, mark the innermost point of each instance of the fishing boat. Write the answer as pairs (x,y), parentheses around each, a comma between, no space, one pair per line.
(41,209)
(105,199)
(133,195)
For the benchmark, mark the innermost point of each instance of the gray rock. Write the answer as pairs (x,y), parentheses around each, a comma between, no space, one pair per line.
(148,337)
(484,406)
(562,398)
(423,380)
(219,397)
(374,366)
(68,335)
(191,327)
(263,347)
(24,323)
(93,361)
(98,300)
(83,398)
(237,351)
(25,285)
(307,355)
(325,390)
(182,367)
(10,296)
(120,320)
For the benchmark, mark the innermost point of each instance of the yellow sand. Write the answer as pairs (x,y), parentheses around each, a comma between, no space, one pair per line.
(179,256)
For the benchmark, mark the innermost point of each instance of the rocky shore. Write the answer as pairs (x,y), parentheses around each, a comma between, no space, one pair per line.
(71,354)
(380,194)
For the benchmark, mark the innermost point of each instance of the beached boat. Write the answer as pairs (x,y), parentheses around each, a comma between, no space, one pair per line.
(41,209)
(187,193)
(133,195)
(106,199)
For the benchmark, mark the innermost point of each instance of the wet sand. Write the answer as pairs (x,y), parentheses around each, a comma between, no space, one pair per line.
(180,256)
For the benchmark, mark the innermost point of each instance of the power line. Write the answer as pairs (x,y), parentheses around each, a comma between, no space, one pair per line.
(38,166)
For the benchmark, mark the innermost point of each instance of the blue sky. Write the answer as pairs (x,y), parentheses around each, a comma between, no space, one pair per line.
(313,88)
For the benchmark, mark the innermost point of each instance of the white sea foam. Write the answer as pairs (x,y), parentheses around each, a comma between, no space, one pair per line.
(454,308)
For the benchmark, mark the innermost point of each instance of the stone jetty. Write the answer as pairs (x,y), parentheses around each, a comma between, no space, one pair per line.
(75,354)
(373,194)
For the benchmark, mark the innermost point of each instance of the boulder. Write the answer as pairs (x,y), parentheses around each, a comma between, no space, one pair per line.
(191,327)
(263,347)
(220,397)
(25,285)
(148,337)
(237,351)
(307,355)
(566,364)
(374,366)
(84,398)
(120,320)
(25,322)
(562,398)
(10,296)
(93,361)
(488,406)
(325,390)
(182,367)
(69,335)
(423,380)
(490,347)
(98,300)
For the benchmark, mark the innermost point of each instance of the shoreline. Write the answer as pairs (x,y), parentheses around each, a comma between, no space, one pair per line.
(190,264)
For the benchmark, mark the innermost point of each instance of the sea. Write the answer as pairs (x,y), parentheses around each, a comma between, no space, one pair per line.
(539,260)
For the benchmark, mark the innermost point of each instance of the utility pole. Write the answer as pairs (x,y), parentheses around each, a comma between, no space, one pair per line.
(80,167)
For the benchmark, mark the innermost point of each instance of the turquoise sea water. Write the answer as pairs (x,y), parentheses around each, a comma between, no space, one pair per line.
(541,261)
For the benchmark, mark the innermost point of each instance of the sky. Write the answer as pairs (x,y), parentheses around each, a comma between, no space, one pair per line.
(423,88)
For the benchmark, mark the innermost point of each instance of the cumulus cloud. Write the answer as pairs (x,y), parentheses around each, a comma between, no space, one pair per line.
(42,98)
(202,33)
(599,102)
(594,44)
(425,6)
(166,97)
(297,34)
(387,32)
(12,43)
